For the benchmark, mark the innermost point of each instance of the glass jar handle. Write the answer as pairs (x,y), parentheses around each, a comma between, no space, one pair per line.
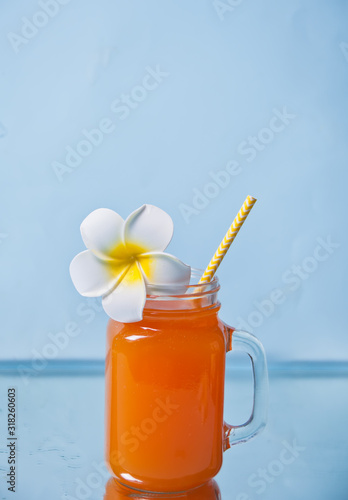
(237,340)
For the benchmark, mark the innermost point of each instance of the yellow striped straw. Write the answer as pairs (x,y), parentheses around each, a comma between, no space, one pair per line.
(226,242)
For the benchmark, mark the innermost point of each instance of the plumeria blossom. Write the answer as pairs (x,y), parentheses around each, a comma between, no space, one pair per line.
(123,258)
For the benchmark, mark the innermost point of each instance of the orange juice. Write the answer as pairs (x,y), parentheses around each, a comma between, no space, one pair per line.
(165,395)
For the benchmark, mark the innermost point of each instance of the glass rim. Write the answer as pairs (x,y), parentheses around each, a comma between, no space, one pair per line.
(192,290)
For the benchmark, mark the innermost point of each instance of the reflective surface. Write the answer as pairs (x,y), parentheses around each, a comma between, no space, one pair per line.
(302,454)
(116,491)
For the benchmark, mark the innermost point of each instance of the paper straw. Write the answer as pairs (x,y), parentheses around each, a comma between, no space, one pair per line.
(226,242)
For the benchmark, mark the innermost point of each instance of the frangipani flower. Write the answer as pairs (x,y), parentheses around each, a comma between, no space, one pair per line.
(124,257)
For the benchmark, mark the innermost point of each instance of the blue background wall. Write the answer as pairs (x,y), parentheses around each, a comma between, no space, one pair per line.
(229,71)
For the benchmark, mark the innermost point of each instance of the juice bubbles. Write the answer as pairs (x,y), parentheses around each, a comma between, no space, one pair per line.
(165,395)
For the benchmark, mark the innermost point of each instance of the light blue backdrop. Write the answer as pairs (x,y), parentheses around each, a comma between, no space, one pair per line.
(257,90)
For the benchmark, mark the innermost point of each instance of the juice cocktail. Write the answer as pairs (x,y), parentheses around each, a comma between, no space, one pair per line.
(166,348)
(165,395)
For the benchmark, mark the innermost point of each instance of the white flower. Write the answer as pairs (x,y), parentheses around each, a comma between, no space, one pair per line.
(124,257)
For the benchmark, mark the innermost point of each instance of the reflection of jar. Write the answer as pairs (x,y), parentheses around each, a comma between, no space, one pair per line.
(165,392)
(116,491)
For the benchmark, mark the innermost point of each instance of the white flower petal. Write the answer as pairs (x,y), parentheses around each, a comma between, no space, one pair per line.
(127,301)
(102,232)
(148,229)
(92,276)
(164,269)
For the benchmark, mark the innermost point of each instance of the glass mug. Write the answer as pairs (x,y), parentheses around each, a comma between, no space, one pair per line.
(165,377)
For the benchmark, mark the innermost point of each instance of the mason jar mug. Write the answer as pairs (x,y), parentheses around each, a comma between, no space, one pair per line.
(165,377)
